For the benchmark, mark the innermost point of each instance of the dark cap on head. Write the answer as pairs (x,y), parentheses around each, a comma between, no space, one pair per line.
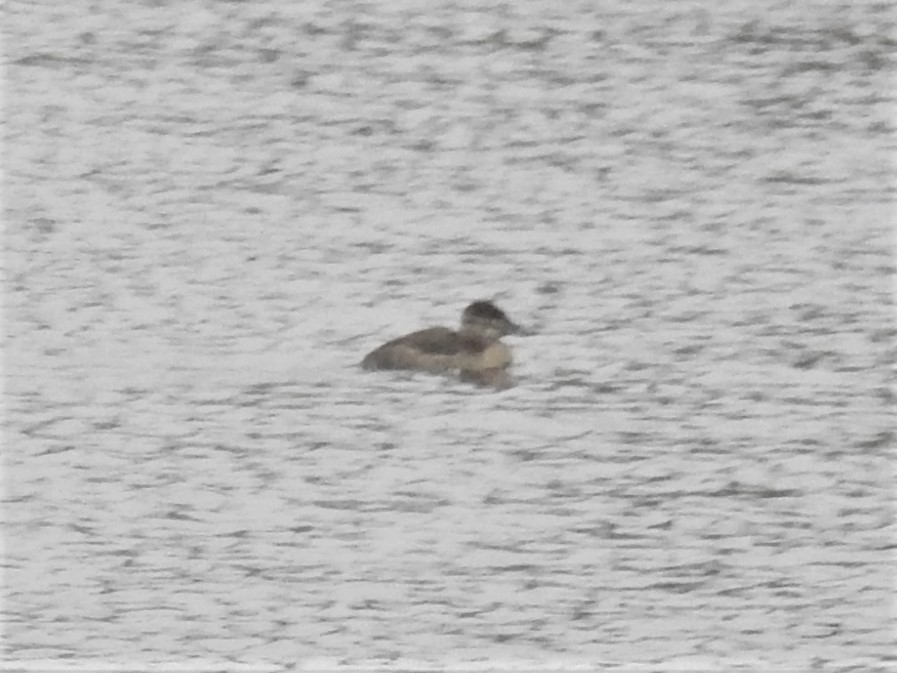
(487,317)
(486,310)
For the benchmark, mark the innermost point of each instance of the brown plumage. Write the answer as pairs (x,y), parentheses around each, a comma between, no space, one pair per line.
(474,352)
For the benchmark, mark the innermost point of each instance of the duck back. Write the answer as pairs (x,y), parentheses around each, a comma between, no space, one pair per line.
(432,349)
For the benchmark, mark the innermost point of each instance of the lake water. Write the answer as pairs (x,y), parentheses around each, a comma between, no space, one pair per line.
(213,210)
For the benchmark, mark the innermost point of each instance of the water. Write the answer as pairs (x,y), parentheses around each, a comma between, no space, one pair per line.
(214,209)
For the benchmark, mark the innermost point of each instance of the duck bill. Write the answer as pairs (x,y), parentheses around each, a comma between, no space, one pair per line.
(519,330)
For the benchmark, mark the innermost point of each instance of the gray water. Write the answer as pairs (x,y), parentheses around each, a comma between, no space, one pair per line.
(212,210)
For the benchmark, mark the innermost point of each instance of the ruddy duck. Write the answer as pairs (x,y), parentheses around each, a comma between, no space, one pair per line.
(474,352)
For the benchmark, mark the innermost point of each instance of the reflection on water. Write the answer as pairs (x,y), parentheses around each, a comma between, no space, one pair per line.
(212,214)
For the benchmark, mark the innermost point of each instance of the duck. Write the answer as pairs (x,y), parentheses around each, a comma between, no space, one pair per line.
(474,353)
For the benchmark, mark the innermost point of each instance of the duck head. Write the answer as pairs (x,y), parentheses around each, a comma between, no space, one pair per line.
(486,319)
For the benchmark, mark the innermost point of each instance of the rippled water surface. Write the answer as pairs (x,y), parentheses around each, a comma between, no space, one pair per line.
(212,210)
